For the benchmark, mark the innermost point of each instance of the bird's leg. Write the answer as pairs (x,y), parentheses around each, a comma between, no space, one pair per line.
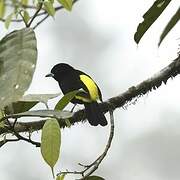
(73,107)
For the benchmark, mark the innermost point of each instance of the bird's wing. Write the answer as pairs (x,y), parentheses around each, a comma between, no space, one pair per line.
(89,85)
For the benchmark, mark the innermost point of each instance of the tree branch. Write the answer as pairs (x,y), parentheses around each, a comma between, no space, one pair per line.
(18,136)
(154,82)
(172,70)
(97,162)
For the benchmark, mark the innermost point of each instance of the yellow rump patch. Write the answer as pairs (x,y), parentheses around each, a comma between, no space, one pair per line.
(91,86)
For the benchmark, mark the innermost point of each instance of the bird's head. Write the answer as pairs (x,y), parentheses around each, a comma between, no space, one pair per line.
(59,71)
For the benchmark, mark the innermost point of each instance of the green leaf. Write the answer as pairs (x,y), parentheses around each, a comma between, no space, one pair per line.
(67,4)
(46,113)
(19,107)
(2,124)
(173,21)
(49,8)
(1,116)
(150,17)
(24,2)
(2,8)
(94,178)
(50,142)
(18,55)
(61,177)
(8,20)
(63,102)
(26,16)
(39,97)
(27,102)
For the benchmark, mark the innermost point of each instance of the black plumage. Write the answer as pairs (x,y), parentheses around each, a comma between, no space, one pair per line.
(70,79)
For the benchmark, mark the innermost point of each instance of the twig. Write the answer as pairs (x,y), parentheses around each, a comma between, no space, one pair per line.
(11,128)
(56,9)
(98,161)
(13,20)
(14,123)
(3,142)
(94,165)
(41,21)
(47,15)
(35,14)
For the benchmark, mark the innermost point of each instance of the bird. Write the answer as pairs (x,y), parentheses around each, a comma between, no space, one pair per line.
(70,79)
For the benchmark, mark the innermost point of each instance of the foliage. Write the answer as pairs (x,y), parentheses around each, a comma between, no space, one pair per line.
(65,100)
(26,10)
(151,16)
(173,21)
(18,57)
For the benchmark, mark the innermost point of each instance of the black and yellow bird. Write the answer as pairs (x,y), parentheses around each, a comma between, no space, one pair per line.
(71,79)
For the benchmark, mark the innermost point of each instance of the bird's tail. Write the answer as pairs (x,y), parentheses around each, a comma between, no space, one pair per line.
(94,114)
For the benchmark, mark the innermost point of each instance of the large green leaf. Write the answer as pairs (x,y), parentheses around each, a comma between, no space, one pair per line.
(50,142)
(63,102)
(150,17)
(18,55)
(173,21)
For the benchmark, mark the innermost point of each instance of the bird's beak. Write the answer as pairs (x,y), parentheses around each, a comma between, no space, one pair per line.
(50,75)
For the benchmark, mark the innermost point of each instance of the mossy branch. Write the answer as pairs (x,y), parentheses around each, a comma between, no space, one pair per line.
(170,71)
